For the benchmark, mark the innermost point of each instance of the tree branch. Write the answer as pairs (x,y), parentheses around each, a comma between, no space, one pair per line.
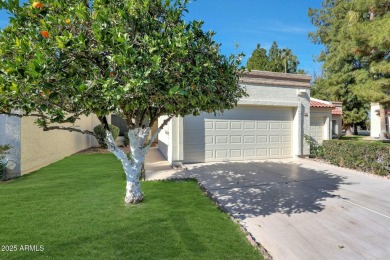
(154,136)
(70,129)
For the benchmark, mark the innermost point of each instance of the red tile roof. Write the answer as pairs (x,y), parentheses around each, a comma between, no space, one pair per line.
(337,112)
(315,103)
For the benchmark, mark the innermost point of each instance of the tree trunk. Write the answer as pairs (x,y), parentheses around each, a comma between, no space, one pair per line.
(355,130)
(133,166)
(139,146)
(348,130)
(382,116)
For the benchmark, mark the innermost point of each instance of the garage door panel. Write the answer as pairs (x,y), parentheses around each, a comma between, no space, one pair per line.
(236,125)
(262,139)
(262,152)
(209,139)
(236,139)
(239,134)
(275,126)
(235,153)
(221,139)
(209,125)
(249,125)
(249,139)
(249,152)
(221,154)
(286,139)
(286,151)
(209,154)
(262,126)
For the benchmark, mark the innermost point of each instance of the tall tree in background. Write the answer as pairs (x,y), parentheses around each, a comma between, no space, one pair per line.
(67,58)
(258,60)
(277,60)
(356,68)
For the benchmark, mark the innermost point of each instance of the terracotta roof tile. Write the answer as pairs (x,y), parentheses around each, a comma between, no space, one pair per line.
(337,112)
(314,103)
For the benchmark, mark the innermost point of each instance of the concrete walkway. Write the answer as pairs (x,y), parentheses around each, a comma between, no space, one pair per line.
(156,166)
(301,209)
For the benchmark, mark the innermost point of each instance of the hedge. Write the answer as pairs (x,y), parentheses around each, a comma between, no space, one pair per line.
(365,156)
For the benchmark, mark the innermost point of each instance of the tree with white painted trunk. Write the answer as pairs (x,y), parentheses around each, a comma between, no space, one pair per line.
(138,59)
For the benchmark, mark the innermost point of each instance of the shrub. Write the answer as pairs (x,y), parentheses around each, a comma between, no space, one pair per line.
(316,150)
(126,142)
(365,156)
(4,149)
(100,134)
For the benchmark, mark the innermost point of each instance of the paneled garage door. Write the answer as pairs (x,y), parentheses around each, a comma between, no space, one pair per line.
(317,128)
(240,134)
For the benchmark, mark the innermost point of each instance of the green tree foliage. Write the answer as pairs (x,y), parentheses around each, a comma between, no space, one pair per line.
(259,59)
(277,60)
(356,67)
(139,59)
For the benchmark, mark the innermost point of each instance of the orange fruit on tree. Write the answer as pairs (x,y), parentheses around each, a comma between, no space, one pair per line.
(45,34)
(67,21)
(112,74)
(37,5)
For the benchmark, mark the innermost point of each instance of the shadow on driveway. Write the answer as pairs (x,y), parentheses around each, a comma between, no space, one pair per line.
(250,189)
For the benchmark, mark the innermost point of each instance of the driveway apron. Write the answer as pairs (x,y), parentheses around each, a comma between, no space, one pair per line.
(300,209)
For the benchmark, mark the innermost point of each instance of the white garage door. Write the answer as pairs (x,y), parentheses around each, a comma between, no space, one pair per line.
(317,128)
(240,134)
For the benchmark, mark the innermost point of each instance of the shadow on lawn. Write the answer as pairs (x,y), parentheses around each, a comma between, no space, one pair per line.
(253,189)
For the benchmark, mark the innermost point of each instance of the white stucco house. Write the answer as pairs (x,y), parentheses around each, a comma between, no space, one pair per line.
(376,128)
(325,119)
(270,123)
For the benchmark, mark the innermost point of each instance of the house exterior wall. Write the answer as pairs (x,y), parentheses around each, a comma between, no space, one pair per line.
(10,134)
(165,139)
(40,148)
(294,97)
(375,127)
(339,124)
(326,115)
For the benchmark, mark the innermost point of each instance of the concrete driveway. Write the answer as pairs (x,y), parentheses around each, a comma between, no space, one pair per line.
(300,209)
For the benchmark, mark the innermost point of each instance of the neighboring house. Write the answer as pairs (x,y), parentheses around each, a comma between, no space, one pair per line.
(375,121)
(325,119)
(337,118)
(270,123)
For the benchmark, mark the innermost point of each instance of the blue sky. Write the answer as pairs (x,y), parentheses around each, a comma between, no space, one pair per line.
(248,22)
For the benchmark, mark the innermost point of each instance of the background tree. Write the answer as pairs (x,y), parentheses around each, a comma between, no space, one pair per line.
(63,59)
(356,68)
(259,59)
(277,60)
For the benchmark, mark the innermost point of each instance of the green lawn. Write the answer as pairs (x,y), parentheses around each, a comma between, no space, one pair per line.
(361,138)
(75,209)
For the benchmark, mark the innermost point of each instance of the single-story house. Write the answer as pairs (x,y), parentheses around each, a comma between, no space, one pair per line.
(325,119)
(376,128)
(270,123)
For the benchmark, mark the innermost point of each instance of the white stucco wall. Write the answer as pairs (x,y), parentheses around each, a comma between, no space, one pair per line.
(171,137)
(375,127)
(326,115)
(10,134)
(165,139)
